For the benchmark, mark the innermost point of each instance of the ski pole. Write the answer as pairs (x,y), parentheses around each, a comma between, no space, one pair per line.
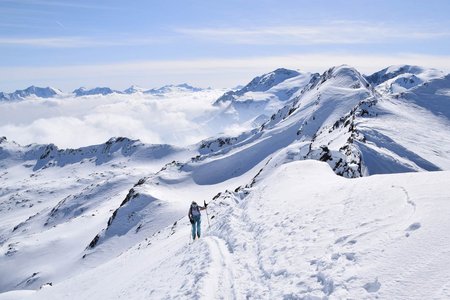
(207,216)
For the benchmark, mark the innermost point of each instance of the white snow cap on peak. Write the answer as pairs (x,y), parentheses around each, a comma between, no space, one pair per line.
(393,71)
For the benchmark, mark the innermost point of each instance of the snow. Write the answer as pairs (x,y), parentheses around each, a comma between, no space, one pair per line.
(82,91)
(264,95)
(109,221)
(55,208)
(168,89)
(293,236)
(391,72)
(134,89)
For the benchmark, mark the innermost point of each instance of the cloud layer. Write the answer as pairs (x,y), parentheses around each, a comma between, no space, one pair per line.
(337,32)
(74,122)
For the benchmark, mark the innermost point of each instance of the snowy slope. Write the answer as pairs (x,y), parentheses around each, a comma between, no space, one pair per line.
(292,236)
(340,118)
(116,212)
(261,83)
(52,202)
(264,95)
(400,78)
(411,127)
(391,72)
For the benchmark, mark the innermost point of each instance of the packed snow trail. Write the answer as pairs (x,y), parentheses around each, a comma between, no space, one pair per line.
(295,237)
(301,233)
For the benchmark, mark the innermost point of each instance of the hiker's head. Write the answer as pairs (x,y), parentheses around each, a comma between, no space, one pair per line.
(194,203)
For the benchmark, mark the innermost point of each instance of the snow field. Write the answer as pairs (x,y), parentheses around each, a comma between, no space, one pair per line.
(301,233)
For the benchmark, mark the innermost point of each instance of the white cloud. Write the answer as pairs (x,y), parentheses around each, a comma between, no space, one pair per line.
(74,122)
(78,41)
(342,32)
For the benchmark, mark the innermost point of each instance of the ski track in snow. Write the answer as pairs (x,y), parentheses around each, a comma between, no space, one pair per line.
(294,256)
(219,279)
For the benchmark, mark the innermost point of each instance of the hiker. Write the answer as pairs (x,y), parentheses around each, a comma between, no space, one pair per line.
(195,218)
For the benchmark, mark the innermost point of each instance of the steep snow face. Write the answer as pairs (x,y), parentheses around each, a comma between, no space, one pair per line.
(299,232)
(82,91)
(35,91)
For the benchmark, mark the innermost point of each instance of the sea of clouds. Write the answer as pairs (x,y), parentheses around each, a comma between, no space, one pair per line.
(177,118)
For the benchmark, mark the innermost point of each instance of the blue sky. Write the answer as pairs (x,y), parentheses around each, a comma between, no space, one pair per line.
(67,44)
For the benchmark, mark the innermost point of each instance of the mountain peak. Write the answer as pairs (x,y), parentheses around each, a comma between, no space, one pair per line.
(183,87)
(42,92)
(82,91)
(134,89)
(260,83)
(391,72)
(266,81)
(346,75)
(400,78)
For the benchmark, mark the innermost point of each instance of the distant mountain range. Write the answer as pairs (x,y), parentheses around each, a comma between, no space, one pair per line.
(49,92)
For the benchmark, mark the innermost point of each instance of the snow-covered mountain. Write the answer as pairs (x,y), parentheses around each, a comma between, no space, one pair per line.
(184,87)
(35,91)
(340,118)
(262,96)
(47,193)
(82,91)
(261,83)
(280,225)
(134,89)
(49,92)
(397,79)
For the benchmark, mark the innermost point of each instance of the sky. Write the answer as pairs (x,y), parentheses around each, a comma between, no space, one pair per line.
(68,44)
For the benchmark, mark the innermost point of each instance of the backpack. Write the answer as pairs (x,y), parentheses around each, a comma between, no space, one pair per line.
(195,211)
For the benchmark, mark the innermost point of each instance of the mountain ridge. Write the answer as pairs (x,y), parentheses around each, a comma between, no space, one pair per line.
(49,92)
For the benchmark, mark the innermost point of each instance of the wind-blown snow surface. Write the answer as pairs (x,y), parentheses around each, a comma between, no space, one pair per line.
(299,232)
